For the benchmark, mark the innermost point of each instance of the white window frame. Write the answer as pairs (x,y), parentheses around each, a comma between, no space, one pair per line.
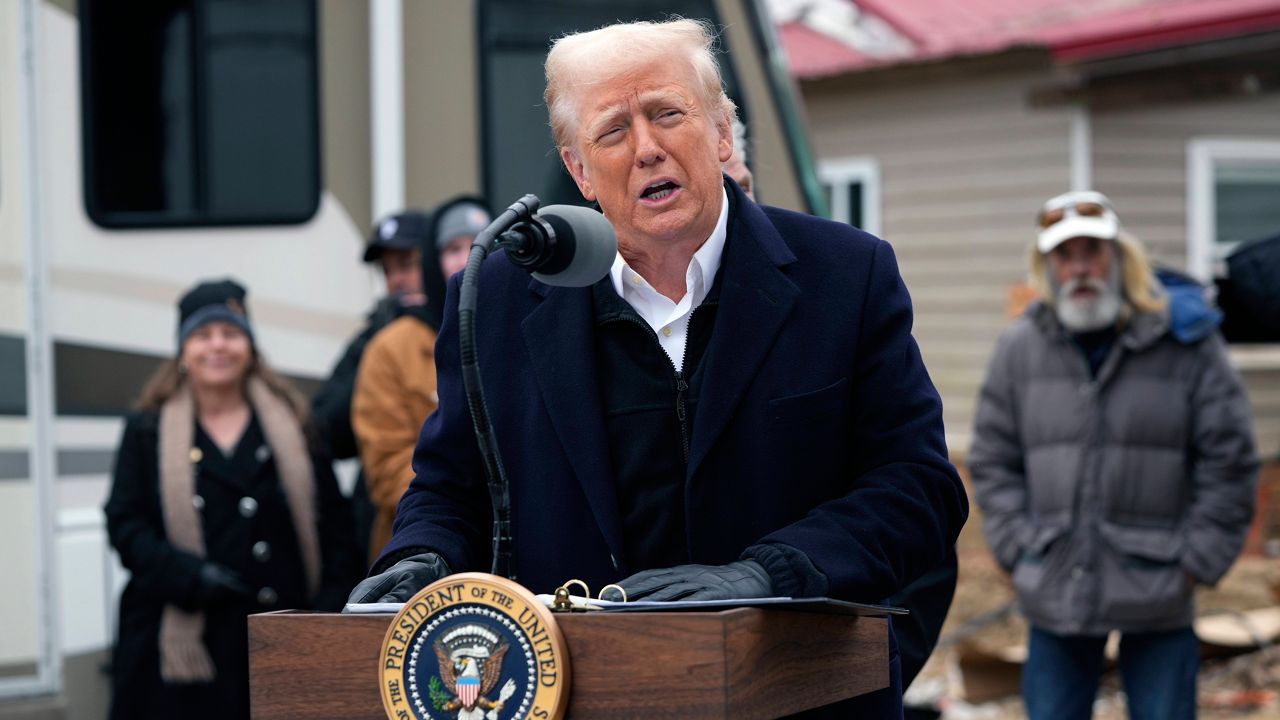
(839,173)
(1203,154)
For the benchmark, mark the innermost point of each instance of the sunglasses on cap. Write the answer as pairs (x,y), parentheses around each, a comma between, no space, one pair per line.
(1047,218)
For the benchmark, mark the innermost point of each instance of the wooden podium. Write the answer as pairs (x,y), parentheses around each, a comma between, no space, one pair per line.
(739,664)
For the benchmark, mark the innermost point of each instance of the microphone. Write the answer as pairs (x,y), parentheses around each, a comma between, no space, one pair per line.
(562,245)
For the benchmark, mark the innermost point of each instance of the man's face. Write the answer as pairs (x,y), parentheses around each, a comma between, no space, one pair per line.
(645,147)
(741,174)
(403,271)
(1087,282)
(453,256)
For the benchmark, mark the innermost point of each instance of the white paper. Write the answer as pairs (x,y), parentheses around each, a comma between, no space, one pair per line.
(594,604)
(372,608)
(583,603)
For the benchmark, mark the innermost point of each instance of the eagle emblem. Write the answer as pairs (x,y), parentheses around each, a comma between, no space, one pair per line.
(470,663)
(473,646)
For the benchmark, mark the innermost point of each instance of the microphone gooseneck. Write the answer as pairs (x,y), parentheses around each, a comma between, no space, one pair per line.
(499,489)
(560,245)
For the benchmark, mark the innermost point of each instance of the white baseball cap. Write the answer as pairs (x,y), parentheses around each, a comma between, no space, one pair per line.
(1082,213)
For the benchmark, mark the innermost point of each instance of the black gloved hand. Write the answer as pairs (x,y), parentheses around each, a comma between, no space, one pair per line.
(402,580)
(217,585)
(736,581)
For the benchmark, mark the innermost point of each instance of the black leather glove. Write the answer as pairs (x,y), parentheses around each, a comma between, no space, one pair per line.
(217,585)
(402,580)
(736,581)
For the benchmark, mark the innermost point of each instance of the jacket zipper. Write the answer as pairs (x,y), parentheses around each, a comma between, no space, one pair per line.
(682,386)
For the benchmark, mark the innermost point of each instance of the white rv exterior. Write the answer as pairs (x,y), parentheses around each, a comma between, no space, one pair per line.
(66,281)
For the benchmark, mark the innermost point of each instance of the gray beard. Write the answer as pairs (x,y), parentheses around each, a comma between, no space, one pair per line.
(1097,313)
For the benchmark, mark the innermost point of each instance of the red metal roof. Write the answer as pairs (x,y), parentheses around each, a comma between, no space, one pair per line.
(1073,31)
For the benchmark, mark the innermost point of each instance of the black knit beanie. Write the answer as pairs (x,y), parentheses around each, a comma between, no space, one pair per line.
(212,301)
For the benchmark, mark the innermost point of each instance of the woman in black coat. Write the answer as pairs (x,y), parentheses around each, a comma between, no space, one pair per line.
(219,508)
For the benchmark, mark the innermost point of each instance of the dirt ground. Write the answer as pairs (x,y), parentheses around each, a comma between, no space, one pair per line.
(1246,686)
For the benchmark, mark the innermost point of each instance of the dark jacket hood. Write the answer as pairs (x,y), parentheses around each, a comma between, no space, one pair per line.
(434,282)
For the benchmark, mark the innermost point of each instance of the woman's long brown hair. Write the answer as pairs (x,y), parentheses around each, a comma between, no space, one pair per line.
(167,378)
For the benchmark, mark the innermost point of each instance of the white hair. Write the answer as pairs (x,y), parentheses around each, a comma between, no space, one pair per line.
(590,58)
(740,140)
(1101,311)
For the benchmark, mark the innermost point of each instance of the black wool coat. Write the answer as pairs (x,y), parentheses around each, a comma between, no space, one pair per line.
(248,529)
(818,430)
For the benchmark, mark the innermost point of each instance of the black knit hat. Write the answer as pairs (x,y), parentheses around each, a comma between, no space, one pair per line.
(213,301)
(403,231)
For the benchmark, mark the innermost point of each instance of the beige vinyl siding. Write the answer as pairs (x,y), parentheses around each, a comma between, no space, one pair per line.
(1140,162)
(964,165)
(1263,387)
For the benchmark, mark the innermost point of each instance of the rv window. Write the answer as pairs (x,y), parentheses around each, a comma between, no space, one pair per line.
(200,112)
(519,155)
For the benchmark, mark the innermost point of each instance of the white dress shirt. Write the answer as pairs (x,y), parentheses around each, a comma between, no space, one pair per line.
(670,320)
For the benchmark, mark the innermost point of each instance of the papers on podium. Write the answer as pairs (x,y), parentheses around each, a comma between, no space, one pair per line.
(818,605)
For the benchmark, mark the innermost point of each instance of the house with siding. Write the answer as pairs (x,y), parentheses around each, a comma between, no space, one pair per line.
(942,125)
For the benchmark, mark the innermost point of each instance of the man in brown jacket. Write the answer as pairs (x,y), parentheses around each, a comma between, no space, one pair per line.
(396,385)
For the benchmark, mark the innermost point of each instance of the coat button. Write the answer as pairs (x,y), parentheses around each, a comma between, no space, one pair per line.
(262,551)
(267,596)
(248,507)
(1077,572)
(262,453)
(196,454)
(197,502)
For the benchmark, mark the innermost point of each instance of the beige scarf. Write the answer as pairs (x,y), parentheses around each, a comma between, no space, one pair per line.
(183,656)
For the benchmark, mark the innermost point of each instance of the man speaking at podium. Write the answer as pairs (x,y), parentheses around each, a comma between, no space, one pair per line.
(737,410)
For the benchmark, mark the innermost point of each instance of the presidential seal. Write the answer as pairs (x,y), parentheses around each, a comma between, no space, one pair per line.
(474,646)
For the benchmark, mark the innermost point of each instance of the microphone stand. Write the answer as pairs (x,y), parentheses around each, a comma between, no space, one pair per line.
(499,488)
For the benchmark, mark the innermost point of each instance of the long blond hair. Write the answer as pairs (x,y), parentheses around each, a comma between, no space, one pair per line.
(1142,291)
(168,378)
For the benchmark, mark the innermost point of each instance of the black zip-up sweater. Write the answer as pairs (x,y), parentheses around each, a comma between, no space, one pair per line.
(649,408)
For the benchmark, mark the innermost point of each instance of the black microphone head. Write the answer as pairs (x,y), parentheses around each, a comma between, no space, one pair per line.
(585,246)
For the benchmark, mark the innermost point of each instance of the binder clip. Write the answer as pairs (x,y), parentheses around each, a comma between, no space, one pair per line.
(563,601)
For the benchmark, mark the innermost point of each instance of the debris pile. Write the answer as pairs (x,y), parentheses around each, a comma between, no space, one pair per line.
(975,673)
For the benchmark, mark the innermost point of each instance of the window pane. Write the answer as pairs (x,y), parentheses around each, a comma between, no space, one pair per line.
(1247,201)
(855,204)
(200,112)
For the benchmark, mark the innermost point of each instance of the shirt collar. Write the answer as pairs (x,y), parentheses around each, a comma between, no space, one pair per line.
(706,260)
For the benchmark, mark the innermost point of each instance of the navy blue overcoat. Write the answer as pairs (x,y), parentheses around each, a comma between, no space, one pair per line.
(817,427)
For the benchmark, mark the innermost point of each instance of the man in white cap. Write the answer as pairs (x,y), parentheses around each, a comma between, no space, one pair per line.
(1113,461)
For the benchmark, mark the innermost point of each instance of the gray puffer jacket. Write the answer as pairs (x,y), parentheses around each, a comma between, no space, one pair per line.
(1102,495)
